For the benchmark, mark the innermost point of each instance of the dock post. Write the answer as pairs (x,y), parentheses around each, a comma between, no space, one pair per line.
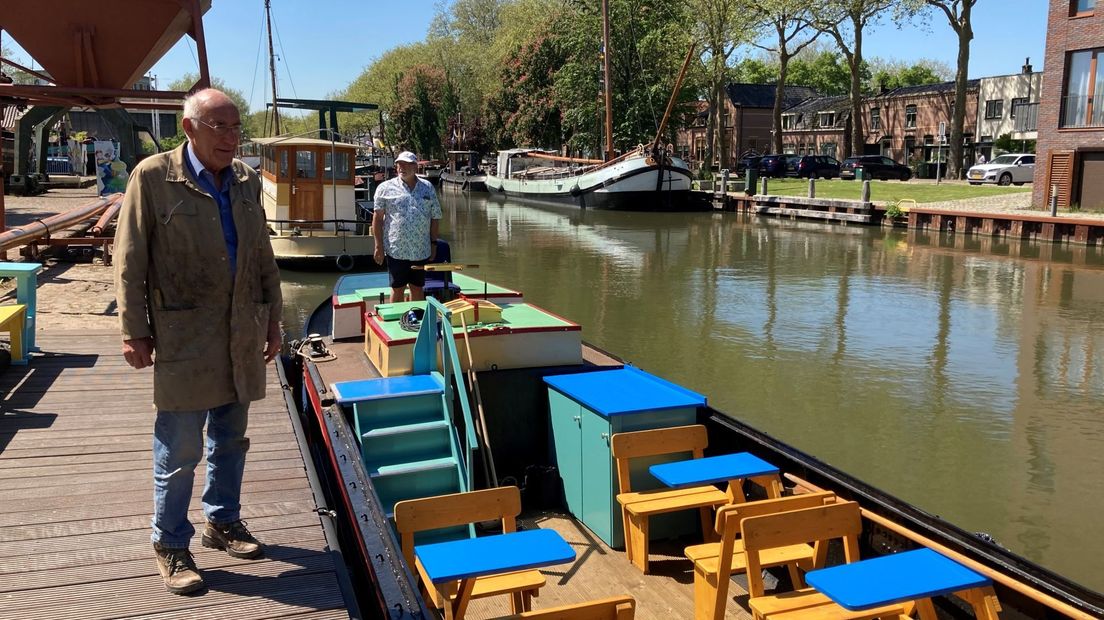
(812,187)
(763,187)
(865,192)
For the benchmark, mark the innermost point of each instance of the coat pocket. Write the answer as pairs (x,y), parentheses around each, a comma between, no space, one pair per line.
(183,334)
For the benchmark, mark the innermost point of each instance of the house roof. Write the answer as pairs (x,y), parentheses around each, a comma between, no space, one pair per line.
(840,105)
(762,95)
(924,89)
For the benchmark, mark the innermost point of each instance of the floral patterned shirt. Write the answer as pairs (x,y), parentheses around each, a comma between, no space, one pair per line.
(407,214)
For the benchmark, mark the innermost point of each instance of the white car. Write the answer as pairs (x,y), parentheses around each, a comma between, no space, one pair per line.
(1004,170)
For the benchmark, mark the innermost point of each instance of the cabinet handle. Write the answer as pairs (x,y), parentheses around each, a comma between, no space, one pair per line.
(577,418)
(605,436)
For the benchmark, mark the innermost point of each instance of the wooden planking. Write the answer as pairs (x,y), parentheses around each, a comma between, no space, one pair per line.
(76,496)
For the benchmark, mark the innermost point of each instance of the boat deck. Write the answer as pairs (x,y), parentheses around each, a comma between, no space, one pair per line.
(75,500)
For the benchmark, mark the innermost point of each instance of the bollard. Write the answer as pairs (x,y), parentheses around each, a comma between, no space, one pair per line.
(1054,200)
(763,187)
(812,187)
(724,181)
(865,192)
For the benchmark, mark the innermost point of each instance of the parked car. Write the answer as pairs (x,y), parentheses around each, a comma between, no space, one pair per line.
(814,167)
(748,161)
(1018,168)
(775,165)
(874,167)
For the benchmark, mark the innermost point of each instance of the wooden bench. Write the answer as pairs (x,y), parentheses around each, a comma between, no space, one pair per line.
(765,534)
(637,507)
(615,608)
(714,563)
(457,509)
(12,319)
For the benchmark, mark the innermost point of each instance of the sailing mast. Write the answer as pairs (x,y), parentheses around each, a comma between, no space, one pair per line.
(606,78)
(272,69)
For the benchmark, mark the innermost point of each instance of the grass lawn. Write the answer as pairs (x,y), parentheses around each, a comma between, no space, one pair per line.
(890,191)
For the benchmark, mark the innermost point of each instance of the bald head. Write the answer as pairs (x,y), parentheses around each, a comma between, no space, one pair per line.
(212,123)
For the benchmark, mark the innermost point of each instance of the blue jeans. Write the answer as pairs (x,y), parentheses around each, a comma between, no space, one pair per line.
(177,449)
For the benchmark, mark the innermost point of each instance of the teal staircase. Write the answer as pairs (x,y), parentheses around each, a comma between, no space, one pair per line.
(408,442)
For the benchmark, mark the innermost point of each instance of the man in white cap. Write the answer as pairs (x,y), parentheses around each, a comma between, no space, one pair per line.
(405,224)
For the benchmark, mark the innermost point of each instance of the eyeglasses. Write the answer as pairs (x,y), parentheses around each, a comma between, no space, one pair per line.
(222,130)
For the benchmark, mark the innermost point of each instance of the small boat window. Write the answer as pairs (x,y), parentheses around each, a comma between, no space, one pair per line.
(306,164)
(283,163)
(342,165)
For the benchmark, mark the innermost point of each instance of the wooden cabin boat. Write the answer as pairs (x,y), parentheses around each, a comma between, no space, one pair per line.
(632,182)
(314,217)
(464,172)
(543,418)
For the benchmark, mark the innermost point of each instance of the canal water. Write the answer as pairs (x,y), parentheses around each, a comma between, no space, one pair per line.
(963,376)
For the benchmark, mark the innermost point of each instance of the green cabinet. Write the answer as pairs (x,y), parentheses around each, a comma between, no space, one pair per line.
(585,410)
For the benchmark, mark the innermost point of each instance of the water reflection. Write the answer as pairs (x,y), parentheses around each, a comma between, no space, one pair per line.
(963,375)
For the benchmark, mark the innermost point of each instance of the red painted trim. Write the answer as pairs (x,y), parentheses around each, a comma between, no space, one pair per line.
(368,322)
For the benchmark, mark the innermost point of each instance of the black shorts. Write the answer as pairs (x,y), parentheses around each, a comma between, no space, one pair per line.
(402,274)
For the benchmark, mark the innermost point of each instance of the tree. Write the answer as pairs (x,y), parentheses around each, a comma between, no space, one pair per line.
(249,129)
(717,24)
(958,14)
(525,107)
(846,21)
(418,95)
(11,73)
(791,30)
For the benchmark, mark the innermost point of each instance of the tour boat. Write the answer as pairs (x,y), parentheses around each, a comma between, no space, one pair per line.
(314,218)
(412,400)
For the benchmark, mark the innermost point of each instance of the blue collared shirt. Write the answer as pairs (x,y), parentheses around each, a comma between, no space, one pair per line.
(206,180)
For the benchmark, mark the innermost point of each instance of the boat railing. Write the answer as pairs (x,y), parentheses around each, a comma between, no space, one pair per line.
(307,228)
(434,330)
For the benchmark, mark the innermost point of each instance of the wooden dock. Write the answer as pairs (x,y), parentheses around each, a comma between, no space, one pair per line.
(76,498)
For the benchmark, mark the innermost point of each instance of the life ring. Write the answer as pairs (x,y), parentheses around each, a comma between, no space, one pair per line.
(345,262)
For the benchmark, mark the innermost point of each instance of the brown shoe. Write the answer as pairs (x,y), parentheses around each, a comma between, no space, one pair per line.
(234,538)
(178,569)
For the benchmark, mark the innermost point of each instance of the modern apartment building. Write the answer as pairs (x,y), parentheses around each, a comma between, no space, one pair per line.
(1071,117)
(1008,104)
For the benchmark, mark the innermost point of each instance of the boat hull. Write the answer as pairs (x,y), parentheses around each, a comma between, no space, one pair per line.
(468,183)
(323,251)
(630,185)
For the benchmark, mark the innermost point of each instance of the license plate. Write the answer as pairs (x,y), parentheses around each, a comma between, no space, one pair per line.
(975,175)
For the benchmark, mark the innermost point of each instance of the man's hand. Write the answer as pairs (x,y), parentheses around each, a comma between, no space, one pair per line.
(138,352)
(274,341)
(378,255)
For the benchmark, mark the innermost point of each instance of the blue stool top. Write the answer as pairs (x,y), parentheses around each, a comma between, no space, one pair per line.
(626,390)
(386,387)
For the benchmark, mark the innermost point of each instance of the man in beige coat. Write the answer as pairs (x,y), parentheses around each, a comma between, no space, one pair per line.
(199,299)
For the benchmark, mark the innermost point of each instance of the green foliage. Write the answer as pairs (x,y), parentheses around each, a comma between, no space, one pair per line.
(524,110)
(169,144)
(1005,144)
(893,210)
(415,123)
(895,74)
(249,130)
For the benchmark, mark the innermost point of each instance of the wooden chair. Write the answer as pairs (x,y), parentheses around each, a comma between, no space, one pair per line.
(12,318)
(714,563)
(445,511)
(615,608)
(765,534)
(637,507)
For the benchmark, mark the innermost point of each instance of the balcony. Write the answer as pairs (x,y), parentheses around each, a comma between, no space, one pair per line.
(1082,111)
(1026,117)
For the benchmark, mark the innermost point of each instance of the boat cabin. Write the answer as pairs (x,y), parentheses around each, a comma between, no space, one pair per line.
(461,162)
(303,188)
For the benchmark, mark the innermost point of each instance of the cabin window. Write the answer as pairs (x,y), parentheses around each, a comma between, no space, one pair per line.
(306,164)
(342,166)
(283,163)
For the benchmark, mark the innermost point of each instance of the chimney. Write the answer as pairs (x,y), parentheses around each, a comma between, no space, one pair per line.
(1027,66)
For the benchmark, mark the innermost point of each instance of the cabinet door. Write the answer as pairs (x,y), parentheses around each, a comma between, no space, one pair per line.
(598,486)
(566,424)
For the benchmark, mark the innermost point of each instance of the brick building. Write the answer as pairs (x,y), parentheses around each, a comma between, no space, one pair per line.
(747,120)
(1071,123)
(903,123)
(817,126)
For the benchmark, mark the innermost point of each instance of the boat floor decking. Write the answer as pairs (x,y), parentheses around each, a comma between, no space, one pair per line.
(666,593)
(76,497)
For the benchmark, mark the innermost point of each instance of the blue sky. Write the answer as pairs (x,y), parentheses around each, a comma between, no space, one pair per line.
(324,44)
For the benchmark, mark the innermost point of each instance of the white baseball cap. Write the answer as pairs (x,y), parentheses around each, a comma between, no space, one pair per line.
(408,157)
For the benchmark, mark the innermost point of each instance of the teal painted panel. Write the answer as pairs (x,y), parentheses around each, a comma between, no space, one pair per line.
(392,489)
(375,414)
(598,480)
(564,416)
(420,443)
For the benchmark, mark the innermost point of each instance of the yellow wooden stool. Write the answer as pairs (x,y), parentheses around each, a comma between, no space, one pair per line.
(12,318)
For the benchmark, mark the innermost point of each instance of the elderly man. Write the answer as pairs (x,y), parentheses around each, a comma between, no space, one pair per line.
(406,218)
(199,299)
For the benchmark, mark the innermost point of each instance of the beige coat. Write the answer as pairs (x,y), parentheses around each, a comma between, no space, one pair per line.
(172,282)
